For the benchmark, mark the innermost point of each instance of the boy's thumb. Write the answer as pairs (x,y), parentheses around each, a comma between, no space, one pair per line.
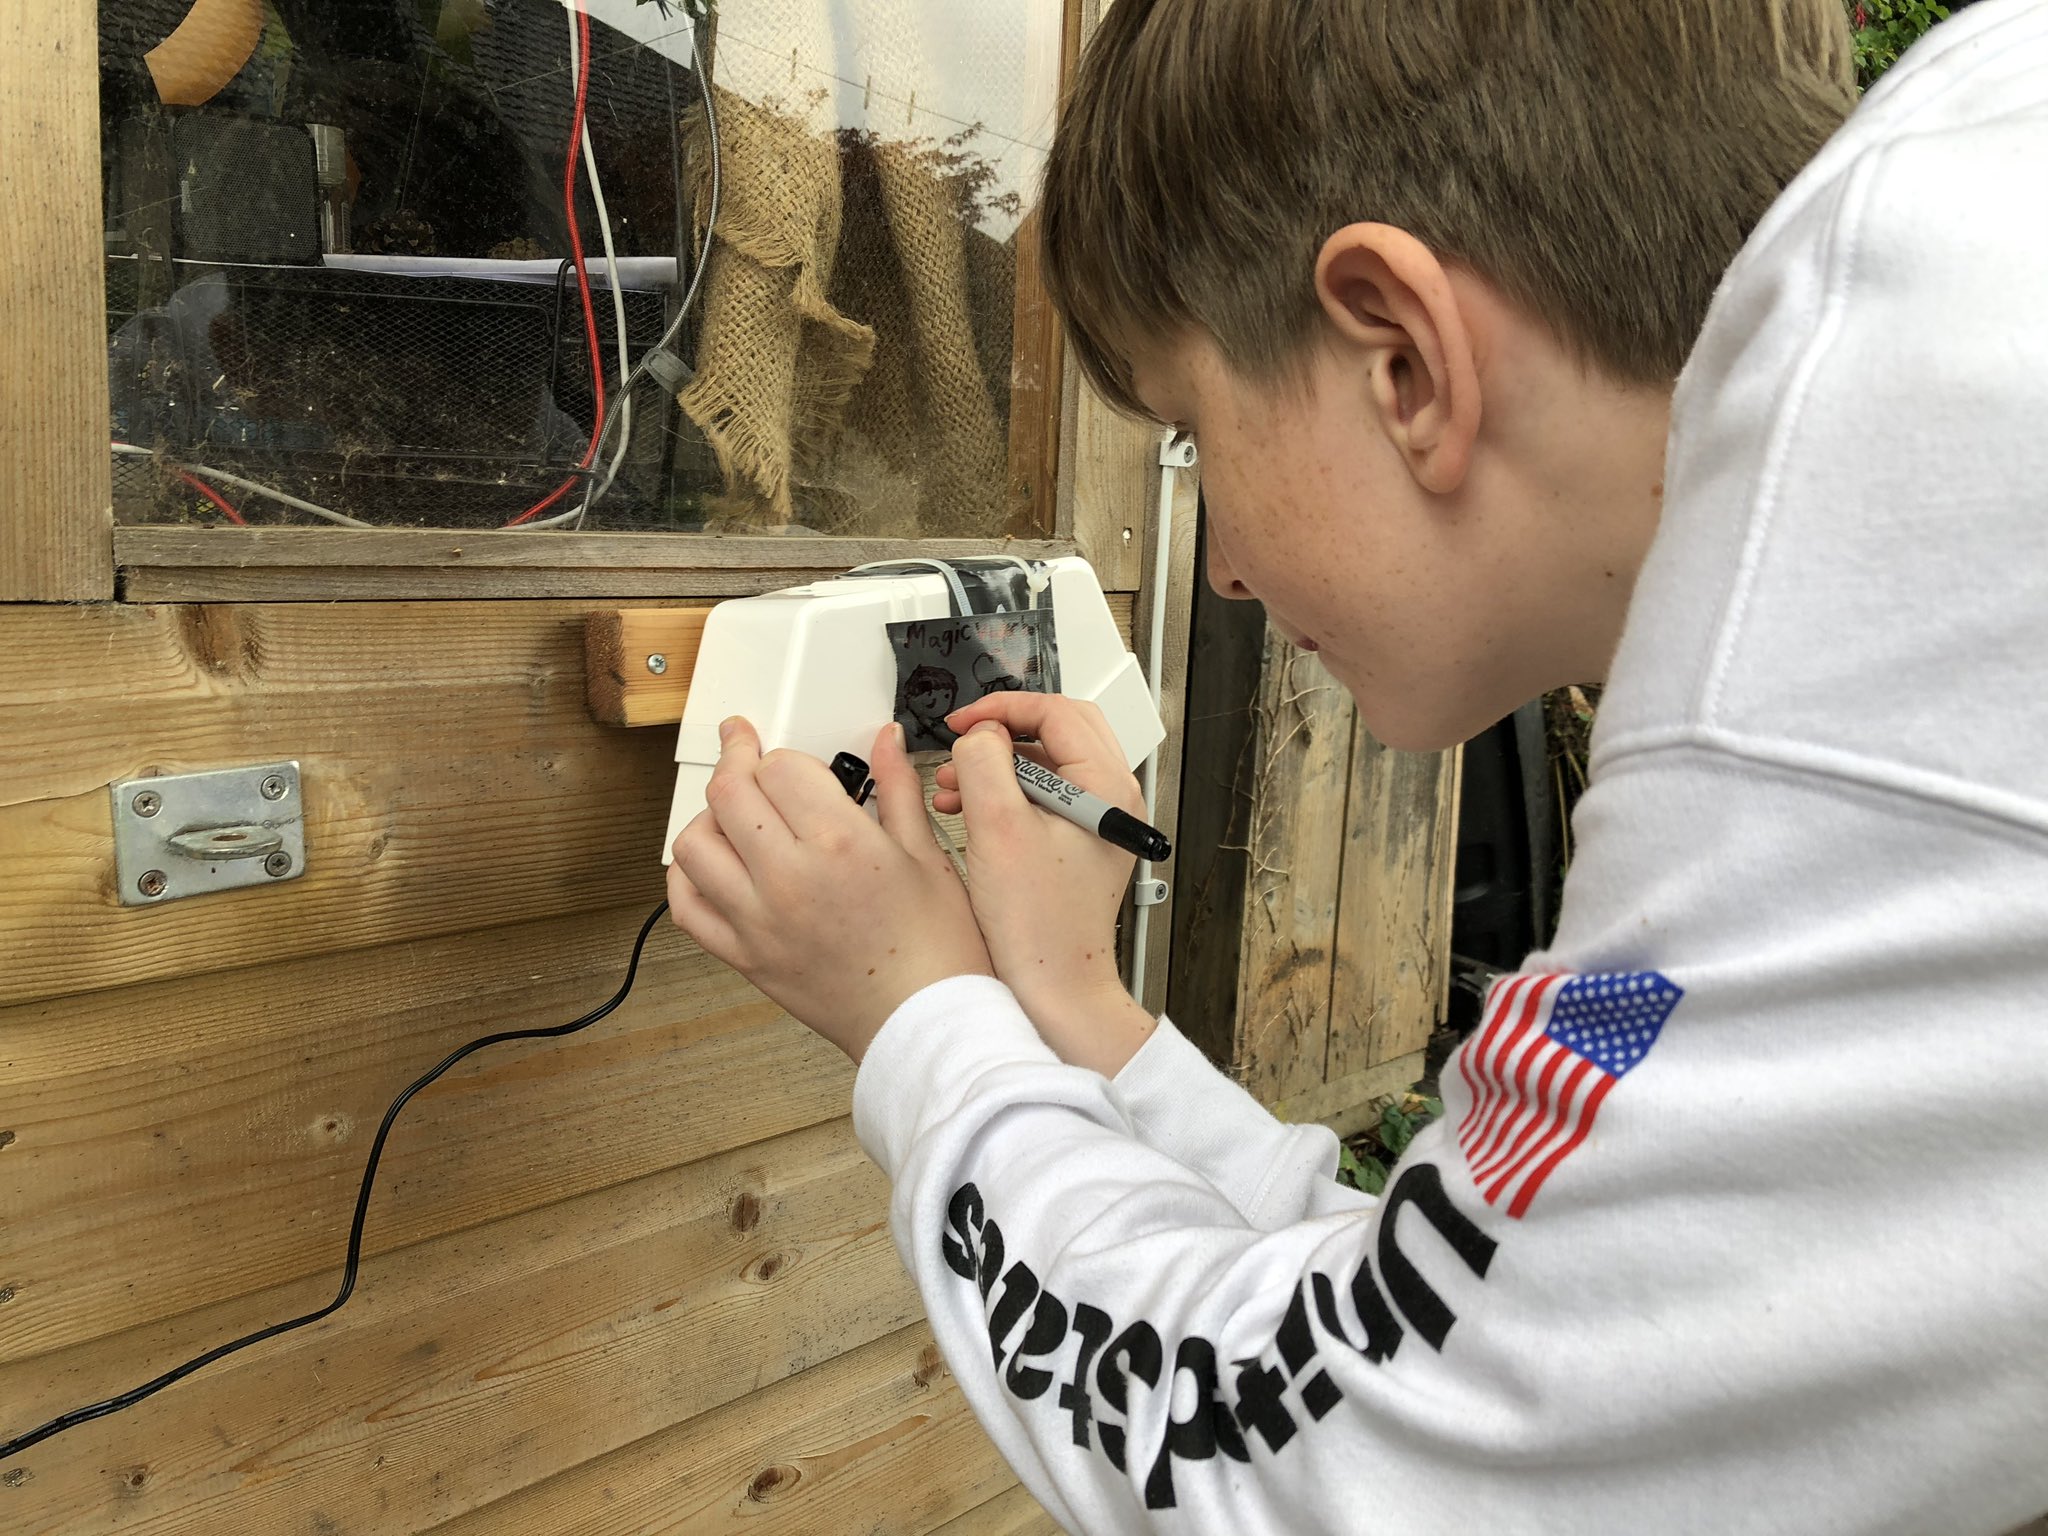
(899,794)
(986,765)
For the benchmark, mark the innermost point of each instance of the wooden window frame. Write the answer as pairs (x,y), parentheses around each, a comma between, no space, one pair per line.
(59,542)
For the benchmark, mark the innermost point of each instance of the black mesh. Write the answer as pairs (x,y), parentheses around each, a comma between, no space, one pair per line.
(399,400)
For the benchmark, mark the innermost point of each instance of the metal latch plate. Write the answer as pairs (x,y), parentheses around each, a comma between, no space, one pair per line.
(184,834)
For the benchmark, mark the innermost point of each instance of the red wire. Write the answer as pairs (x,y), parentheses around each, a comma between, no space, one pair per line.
(582,273)
(203,489)
(213,496)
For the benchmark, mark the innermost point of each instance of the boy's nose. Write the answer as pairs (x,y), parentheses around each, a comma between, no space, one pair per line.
(1222,580)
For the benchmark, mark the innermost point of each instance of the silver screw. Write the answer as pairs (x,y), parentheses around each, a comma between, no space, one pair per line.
(657,663)
(148,803)
(278,864)
(274,787)
(152,883)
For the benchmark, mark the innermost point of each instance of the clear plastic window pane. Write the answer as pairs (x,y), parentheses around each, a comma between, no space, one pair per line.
(344,285)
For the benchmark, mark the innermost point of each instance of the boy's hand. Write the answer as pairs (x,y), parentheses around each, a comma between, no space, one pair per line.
(1045,892)
(790,883)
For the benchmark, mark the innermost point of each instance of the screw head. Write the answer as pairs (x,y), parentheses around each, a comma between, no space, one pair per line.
(147,803)
(278,864)
(152,883)
(657,663)
(274,787)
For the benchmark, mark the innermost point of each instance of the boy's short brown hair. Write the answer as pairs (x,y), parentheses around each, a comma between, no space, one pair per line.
(1598,161)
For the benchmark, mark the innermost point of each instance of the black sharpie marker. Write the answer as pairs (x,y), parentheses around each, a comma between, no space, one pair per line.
(1091,813)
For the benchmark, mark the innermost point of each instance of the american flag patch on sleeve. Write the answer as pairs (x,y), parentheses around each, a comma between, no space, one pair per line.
(1547,1052)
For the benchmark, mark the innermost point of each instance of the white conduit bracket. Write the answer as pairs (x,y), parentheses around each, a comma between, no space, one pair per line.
(1176,452)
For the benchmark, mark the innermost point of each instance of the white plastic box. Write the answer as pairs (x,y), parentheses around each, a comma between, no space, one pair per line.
(813,669)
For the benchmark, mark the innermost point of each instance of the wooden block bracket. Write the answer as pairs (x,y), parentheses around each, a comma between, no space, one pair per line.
(637,663)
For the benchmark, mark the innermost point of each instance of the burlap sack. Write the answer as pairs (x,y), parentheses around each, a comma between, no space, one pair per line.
(851,365)
(777,363)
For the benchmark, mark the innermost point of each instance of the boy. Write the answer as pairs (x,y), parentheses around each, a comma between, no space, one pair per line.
(1735,1219)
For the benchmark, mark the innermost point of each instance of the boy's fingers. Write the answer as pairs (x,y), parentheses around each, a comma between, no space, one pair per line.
(949,776)
(988,776)
(699,919)
(1072,730)
(899,796)
(807,796)
(712,865)
(735,797)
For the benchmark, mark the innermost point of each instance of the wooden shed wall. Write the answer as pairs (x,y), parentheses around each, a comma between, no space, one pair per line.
(646,1264)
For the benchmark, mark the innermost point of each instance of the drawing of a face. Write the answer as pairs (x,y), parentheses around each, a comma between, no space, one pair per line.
(928,695)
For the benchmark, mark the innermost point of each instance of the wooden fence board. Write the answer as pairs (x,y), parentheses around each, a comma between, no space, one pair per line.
(186,1141)
(1302,775)
(474,1365)
(1312,930)
(1394,918)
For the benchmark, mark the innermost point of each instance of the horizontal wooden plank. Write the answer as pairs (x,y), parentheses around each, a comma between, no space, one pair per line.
(623,689)
(174,1144)
(1014,1513)
(472,1366)
(1349,1104)
(453,778)
(879,1441)
(489,549)
(284,565)
(383,583)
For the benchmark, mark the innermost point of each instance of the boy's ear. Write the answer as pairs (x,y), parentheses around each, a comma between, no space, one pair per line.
(1391,302)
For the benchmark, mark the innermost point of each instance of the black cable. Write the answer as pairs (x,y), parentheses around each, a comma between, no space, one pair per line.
(129,1399)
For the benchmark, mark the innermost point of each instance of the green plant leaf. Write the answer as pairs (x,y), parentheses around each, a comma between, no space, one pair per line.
(1368,1173)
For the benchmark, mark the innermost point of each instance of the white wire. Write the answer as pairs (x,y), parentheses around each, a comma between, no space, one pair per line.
(268,492)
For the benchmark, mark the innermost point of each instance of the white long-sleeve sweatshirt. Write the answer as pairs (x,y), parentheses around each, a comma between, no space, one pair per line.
(1737,1218)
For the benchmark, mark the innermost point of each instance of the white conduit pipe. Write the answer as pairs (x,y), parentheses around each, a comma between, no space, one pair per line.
(1176,452)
